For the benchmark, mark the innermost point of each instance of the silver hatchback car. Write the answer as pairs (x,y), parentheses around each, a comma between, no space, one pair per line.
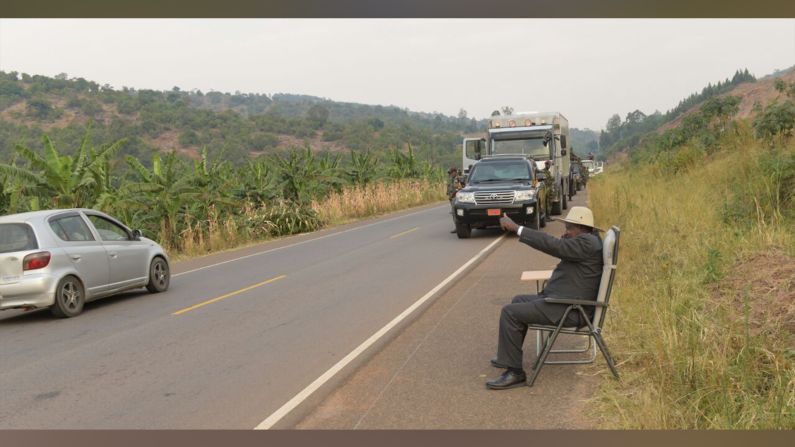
(62,259)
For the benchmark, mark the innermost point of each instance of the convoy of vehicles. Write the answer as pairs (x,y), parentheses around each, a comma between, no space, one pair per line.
(539,136)
(62,259)
(594,167)
(496,186)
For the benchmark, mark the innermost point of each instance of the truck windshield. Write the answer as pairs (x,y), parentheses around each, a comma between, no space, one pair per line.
(500,172)
(533,147)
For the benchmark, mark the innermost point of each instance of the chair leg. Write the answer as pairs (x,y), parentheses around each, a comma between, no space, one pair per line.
(547,347)
(597,336)
(603,347)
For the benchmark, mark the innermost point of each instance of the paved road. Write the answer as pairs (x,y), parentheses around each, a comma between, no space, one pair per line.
(270,319)
(432,374)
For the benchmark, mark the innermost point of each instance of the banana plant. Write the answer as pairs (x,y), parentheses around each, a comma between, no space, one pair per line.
(258,182)
(214,182)
(403,165)
(329,175)
(363,168)
(297,171)
(161,195)
(62,180)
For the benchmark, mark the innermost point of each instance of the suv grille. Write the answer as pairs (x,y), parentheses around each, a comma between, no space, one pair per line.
(494,198)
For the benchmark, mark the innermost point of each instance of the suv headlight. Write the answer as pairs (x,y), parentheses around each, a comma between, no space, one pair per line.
(522,196)
(465,197)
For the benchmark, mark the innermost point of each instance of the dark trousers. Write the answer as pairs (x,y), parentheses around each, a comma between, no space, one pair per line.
(524,310)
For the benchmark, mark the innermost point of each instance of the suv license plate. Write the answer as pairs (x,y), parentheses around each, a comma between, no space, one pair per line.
(493,212)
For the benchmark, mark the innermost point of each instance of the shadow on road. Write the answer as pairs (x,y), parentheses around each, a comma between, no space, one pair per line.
(17,316)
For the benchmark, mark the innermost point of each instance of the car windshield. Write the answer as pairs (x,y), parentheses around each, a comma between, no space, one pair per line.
(17,237)
(500,172)
(533,147)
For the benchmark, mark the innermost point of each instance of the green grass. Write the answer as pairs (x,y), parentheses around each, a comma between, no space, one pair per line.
(680,325)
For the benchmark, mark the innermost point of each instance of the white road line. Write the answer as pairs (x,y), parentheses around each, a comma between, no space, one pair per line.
(299,243)
(312,387)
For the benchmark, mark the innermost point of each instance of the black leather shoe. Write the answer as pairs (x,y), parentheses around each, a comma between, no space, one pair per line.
(508,379)
(497,364)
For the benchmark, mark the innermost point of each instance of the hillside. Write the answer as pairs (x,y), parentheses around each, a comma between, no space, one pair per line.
(753,96)
(236,125)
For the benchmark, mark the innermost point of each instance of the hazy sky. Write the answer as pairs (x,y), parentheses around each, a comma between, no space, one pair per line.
(587,69)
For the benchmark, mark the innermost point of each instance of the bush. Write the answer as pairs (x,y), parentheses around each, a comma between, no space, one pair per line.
(776,119)
(40,108)
(282,218)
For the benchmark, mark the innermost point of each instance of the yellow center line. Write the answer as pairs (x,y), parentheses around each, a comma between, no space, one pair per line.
(405,232)
(196,306)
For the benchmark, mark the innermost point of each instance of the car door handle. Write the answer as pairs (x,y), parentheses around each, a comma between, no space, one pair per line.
(113,254)
(76,257)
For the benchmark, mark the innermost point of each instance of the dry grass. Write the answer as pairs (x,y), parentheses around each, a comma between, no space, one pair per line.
(691,286)
(378,198)
(218,233)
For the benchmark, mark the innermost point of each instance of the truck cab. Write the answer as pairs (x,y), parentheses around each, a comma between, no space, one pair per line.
(500,185)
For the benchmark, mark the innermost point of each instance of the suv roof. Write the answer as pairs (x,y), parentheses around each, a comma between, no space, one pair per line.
(496,158)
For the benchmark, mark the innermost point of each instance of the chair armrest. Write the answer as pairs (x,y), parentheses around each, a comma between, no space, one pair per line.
(536,275)
(573,301)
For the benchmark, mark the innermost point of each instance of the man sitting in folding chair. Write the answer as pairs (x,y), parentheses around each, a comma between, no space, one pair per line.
(577,276)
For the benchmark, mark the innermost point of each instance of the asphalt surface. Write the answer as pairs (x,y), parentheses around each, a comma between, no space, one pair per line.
(270,319)
(433,374)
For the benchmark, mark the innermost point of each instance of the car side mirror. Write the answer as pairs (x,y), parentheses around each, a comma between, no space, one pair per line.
(136,234)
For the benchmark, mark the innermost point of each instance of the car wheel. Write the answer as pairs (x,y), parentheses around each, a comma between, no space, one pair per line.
(159,275)
(463,230)
(69,298)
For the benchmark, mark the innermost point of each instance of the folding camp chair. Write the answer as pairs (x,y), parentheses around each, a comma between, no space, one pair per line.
(593,328)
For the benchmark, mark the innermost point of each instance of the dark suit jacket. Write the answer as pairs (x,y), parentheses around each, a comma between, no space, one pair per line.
(580,270)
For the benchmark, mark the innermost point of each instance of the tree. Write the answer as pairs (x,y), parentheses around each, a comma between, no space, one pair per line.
(782,87)
(634,118)
(613,124)
(507,110)
(317,115)
(462,114)
(376,123)
(495,113)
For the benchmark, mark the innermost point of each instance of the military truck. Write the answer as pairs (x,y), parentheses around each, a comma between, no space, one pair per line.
(496,186)
(539,135)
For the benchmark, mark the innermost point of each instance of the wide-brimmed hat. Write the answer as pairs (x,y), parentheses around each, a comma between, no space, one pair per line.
(579,215)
